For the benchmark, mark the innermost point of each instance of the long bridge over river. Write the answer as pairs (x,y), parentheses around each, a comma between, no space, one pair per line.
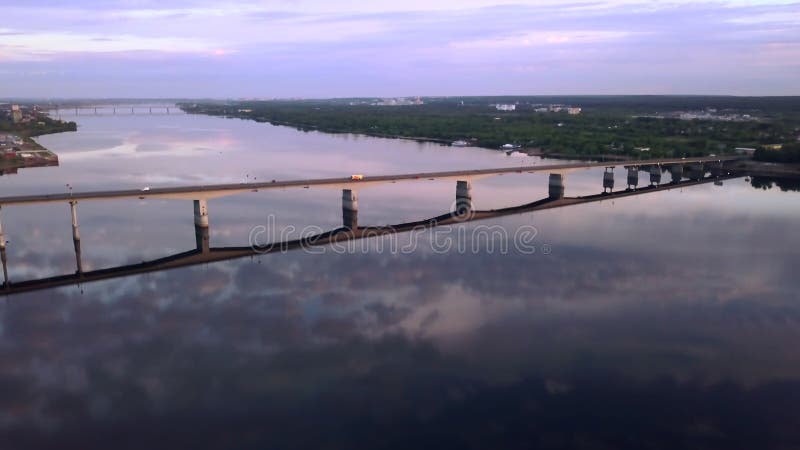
(81,109)
(677,167)
(696,170)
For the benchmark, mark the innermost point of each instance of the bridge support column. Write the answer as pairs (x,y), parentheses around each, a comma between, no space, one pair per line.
(201,234)
(463,197)
(201,213)
(608,179)
(555,186)
(633,177)
(2,234)
(655,175)
(73,209)
(3,253)
(717,169)
(676,170)
(5,267)
(349,209)
(78,257)
(76,236)
(201,237)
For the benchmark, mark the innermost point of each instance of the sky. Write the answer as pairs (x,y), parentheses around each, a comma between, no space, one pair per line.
(348,48)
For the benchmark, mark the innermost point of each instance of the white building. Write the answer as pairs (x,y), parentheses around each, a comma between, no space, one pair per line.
(16,113)
(501,107)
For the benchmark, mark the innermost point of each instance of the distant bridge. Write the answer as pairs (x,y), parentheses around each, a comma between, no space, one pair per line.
(114,110)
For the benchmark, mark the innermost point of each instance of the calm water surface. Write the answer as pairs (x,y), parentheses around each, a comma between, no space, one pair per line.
(664,320)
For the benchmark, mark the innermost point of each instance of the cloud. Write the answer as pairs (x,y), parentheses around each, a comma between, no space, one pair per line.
(389,48)
(541,38)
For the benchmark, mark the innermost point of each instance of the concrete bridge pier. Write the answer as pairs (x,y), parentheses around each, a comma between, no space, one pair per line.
(201,234)
(463,197)
(73,209)
(5,267)
(608,179)
(76,236)
(201,237)
(349,209)
(555,186)
(3,254)
(676,170)
(633,177)
(201,213)
(717,169)
(2,234)
(655,175)
(78,257)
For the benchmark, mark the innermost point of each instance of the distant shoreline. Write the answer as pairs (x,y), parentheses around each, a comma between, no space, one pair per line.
(444,142)
(581,129)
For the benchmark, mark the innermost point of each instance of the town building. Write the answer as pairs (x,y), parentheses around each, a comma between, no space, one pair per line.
(501,107)
(16,113)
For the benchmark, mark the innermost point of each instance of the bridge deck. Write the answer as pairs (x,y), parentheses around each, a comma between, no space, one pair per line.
(219,190)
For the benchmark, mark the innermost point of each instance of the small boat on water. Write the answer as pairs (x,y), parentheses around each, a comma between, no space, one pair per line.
(460,143)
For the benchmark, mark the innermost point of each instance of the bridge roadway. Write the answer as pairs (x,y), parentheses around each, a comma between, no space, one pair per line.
(220,190)
(204,254)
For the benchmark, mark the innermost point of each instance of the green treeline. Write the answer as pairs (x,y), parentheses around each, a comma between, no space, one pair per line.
(790,153)
(35,128)
(606,125)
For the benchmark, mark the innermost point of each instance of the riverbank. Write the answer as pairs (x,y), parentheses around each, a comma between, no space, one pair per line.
(18,149)
(604,132)
(445,142)
(25,155)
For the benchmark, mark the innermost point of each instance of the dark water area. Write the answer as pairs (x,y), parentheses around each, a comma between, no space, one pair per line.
(663,320)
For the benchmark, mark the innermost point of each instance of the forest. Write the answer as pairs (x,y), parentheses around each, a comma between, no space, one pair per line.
(630,126)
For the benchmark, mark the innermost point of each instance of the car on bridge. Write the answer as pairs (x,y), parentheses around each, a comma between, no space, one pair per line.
(357,177)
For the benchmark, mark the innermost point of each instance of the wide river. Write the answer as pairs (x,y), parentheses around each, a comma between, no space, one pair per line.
(664,320)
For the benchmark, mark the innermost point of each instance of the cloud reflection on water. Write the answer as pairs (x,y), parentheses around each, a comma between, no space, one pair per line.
(406,339)
(669,317)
